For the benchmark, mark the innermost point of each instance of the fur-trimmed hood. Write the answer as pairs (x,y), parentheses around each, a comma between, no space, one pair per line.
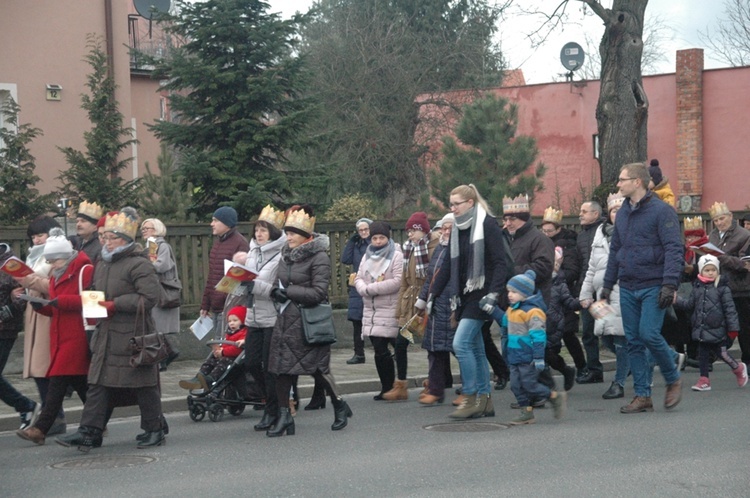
(319,243)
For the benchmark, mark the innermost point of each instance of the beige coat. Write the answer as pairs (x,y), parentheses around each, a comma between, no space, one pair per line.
(411,285)
(36,326)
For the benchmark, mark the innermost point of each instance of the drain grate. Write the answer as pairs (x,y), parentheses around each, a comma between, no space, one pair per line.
(117,462)
(466,427)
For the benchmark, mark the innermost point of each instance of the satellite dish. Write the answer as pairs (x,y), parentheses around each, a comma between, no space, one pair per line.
(572,56)
(151,9)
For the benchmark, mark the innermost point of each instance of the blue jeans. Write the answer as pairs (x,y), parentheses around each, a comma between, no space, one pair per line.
(8,394)
(642,319)
(619,346)
(468,346)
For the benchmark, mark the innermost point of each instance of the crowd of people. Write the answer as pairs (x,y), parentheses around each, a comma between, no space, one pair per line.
(648,292)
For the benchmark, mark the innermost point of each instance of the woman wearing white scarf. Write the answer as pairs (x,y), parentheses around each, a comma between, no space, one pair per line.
(475,269)
(378,282)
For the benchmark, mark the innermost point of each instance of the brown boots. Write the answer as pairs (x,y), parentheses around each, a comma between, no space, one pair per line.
(398,393)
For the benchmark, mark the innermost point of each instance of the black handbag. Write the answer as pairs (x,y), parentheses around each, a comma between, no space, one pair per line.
(148,349)
(317,323)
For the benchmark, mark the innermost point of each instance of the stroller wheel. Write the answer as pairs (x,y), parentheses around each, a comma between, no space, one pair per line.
(197,412)
(216,413)
(236,409)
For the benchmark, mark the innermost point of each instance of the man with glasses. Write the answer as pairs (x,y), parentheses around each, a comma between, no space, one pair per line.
(590,217)
(646,259)
(352,255)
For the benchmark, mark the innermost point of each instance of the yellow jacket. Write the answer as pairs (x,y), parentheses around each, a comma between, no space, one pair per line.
(664,192)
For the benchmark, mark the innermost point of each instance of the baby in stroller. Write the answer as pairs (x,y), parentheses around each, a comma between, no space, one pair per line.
(222,355)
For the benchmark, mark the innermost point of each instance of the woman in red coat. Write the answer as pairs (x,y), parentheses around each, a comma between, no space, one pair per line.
(69,349)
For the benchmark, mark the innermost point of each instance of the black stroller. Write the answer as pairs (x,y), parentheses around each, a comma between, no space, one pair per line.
(233,390)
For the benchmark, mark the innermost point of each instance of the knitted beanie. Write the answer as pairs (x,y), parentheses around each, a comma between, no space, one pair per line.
(238,311)
(417,221)
(708,259)
(380,228)
(57,245)
(655,172)
(523,284)
(226,215)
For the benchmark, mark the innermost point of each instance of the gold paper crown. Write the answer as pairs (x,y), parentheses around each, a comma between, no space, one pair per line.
(300,220)
(614,200)
(552,215)
(272,216)
(121,224)
(518,205)
(91,210)
(718,209)
(694,223)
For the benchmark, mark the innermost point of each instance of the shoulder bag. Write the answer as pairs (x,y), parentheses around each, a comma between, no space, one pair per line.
(317,324)
(148,349)
(171,288)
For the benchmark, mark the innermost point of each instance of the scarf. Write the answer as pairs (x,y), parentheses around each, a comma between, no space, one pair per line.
(58,272)
(35,254)
(107,255)
(472,220)
(377,260)
(421,255)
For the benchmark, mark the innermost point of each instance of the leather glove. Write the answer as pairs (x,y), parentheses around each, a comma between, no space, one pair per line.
(249,286)
(110,306)
(605,294)
(53,303)
(279,295)
(36,306)
(488,302)
(539,364)
(666,296)
(5,313)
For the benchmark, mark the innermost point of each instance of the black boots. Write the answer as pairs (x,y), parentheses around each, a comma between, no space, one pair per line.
(341,412)
(386,373)
(266,422)
(85,438)
(143,436)
(284,424)
(318,399)
(155,438)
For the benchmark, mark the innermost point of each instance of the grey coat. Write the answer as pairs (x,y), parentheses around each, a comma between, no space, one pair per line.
(264,260)
(129,277)
(166,320)
(304,272)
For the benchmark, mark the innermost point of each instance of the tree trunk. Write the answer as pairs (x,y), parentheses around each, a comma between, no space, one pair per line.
(622,111)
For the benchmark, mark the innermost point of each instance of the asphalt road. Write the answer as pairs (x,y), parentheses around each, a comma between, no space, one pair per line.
(699,449)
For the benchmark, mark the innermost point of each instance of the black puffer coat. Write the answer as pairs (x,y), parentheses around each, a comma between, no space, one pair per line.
(561,304)
(352,255)
(438,334)
(305,272)
(11,326)
(713,311)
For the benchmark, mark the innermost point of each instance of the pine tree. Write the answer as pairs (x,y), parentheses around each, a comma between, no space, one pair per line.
(93,174)
(162,195)
(21,202)
(489,154)
(235,88)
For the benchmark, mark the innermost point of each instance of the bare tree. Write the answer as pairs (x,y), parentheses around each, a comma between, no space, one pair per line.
(730,39)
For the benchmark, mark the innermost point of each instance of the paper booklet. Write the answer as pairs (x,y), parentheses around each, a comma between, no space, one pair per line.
(234,275)
(707,248)
(202,326)
(90,303)
(34,299)
(600,309)
(16,268)
(153,248)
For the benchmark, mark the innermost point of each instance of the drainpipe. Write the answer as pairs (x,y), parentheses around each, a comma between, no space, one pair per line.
(109,36)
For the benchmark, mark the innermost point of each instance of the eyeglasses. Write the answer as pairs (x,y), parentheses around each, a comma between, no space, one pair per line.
(143,229)
(620,180)
(456,204)
(363,230)
(109,238)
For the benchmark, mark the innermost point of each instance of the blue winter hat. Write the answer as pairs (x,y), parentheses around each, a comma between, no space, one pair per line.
(523,284)
(226,215)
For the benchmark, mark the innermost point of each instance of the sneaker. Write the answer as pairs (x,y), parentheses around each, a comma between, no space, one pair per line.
(191,384)
(569,374)
(741,373)
(703,384)
(30,417)
(680,361)
(501,383)
(539,403)
(559,404)
(526,417)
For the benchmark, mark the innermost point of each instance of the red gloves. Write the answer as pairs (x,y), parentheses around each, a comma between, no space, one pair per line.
(110,306)
(732,334)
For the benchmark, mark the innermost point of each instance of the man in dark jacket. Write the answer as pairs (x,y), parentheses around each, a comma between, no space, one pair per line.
(734,240)
(87,236)
(11,323)
(646,257)
(228,241)
(352,255)
(531,250)
(591,218)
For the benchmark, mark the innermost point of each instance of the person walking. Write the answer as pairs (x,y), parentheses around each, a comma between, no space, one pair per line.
(646,258)
(378,282)
(352,255)
(475,269)
(304,274)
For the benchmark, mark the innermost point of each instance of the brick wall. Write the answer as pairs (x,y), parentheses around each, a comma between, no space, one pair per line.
(689,88)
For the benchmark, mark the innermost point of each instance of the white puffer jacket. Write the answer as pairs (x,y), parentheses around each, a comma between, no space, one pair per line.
(594,281)
(264,260)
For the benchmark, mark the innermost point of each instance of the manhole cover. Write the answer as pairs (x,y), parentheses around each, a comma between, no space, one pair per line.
(466,427)
(104,462)
(590,410)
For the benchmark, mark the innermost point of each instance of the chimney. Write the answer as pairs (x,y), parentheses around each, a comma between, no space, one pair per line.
(689,82)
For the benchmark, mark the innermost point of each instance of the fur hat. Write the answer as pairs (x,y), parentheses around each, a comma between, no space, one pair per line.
(524,283)
(380,228)
(708,259)
(57,245)
(363,220)
(238,311)
(448,218)
(655,171)
(226,215)
(417,221)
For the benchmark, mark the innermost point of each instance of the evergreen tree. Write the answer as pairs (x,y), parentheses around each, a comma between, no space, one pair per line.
(21,202)
(93,175)
(235,88)
(162,195)
(489,154)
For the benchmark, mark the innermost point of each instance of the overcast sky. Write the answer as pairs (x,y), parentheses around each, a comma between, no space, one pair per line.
(685,17)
